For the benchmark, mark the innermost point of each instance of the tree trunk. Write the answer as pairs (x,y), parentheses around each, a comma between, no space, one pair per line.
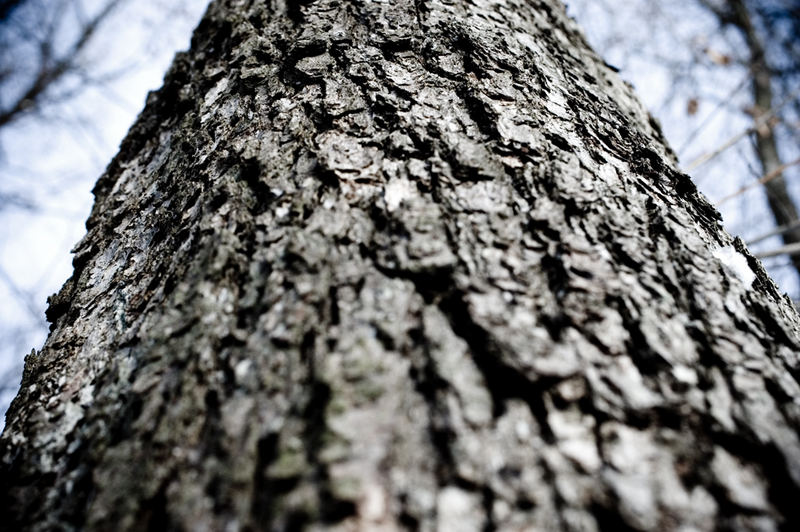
(779,200)
(428,265)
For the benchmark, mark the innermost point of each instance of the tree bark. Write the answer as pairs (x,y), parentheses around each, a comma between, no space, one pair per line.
(427,265)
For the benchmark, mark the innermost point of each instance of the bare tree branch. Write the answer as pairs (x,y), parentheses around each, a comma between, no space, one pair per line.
(793,250)
(777,172)
(759,123)
(50,70)
(774,232)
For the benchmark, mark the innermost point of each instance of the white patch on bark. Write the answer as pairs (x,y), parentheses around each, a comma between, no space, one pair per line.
(736,263)
(456,511)
(396,191)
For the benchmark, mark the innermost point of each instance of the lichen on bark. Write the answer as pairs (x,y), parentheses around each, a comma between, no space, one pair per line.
(368,265)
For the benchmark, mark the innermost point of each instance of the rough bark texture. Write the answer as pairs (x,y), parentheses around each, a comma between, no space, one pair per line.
(369,265)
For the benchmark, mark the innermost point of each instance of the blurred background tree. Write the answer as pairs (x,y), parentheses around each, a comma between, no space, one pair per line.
(722,76)
(73,75)
(771,34)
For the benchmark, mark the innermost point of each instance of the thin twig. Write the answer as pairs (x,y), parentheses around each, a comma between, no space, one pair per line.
(758,124)
(789,249)
(765,179)
(707,120)
(774,232)
(703,159)
(25,298)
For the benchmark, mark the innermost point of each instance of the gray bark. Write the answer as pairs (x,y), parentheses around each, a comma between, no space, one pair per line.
(425,265)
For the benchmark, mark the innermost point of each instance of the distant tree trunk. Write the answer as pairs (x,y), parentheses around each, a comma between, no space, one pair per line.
(779,200)
(368,265)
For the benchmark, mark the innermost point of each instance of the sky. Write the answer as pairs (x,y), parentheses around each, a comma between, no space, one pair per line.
(54,158)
